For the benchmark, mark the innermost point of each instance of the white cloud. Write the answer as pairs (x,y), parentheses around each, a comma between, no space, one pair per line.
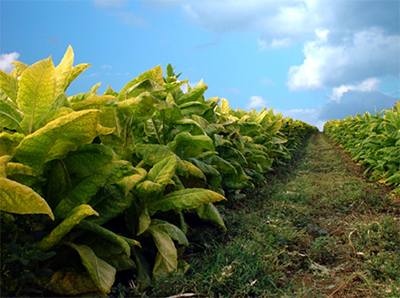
(370,84)
(363,54)
(6,60)
(106,66)
(256,102)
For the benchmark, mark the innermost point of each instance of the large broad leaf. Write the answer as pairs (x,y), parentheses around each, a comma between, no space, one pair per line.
(8,142)
(88,187)
(139,106)
(225,107)
(19,68)
(146,85)
(190,145)
(173,231)
(72,219)
(95,102)
(4,160)
(144,222)
(210,212)
(76,71)
(163,171)
(185,199)
(36,93)
(10,117)
(23,174)
(64,71)
(88,159)
(196,108)
(57,138)
(9,85)
(109,202)
(194,94)
(21,199)
(155,74)
(167,258)
(126,184)
(152,154)
(222,165)
(70,282)
(107,234)
(110,252)
(102,273)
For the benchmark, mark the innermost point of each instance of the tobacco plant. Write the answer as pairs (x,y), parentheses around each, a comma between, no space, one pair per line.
(373,141)
(92,184)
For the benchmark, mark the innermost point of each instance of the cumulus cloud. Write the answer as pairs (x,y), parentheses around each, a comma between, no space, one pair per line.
(344,42)
(371,84)
(256,102)
(6,60)
(360,55)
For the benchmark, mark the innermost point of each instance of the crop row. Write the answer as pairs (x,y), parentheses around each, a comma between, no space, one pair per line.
(373,141)
(92,184)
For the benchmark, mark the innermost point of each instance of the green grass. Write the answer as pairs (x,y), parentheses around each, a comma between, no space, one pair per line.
(317,229)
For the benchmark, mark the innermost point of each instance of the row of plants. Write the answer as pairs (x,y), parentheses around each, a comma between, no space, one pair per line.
(96,185)
(373,141)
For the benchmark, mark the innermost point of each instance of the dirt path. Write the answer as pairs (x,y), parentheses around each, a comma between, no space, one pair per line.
(352,225)
(318,229)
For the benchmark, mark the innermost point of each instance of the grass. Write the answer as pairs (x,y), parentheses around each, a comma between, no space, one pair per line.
(317,230)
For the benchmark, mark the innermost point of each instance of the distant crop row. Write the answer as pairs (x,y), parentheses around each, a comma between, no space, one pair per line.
(96,184)
(373,141)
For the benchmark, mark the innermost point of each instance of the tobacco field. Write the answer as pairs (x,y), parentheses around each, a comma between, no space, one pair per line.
(156,192)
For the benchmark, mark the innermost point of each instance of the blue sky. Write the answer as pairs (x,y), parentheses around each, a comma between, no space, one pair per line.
(312,60)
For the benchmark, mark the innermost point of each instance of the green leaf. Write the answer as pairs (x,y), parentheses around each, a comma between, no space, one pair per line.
(72,219)
(19,67)
(89,186)
(57,138)
(8,142)
(110,252)
(109,202)
(22,173)
(36,93)
(196,108)
(10,116)
(185,199)
(4,160)
(70,282)
(163,171)
(155,74)
(128,183)
(223,166)
(173,231)
(88,159)
(193,94)
(64,71)
(102,274)
(144,222)
(9,85)
(185,141)
(21,199)
(76,71)
(95,102)
(210,212)
(167,258)
(107,234)
(139,106)
(146,85)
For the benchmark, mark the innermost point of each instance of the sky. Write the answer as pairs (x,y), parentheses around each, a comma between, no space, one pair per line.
(312,60)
